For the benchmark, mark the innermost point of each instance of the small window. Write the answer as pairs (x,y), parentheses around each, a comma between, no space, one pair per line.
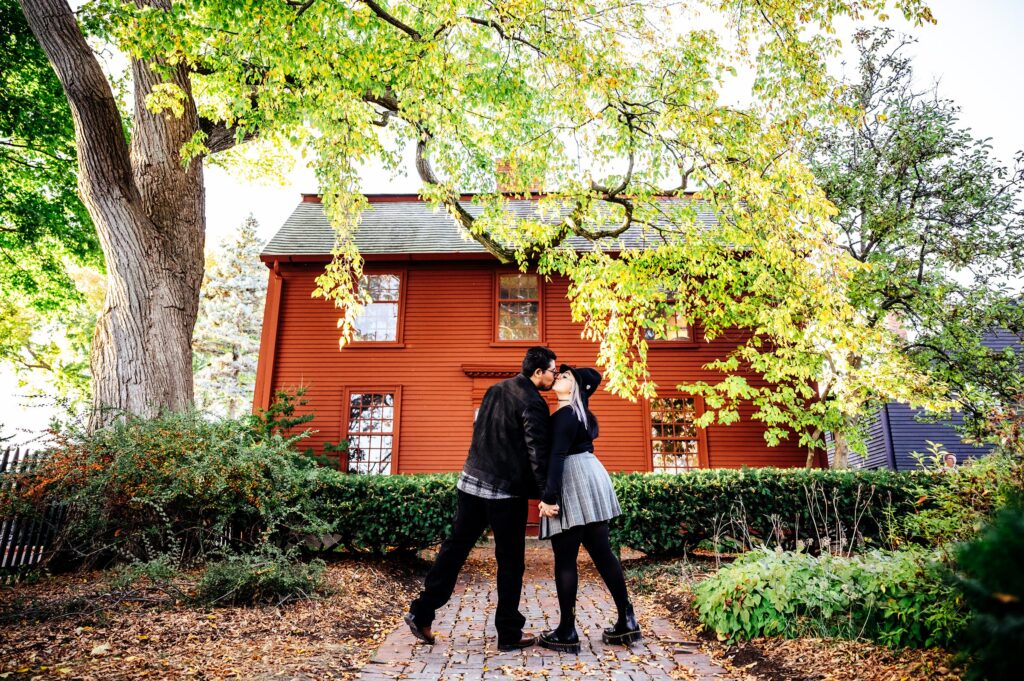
(674,435)
(378,321)
(371,432)
(518,307)
(676,329)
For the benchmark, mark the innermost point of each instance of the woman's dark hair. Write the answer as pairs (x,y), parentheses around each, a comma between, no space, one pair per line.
(537,357)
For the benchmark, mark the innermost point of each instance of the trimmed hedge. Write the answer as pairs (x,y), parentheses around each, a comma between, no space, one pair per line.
(384,513)
(662,514)
(668,514)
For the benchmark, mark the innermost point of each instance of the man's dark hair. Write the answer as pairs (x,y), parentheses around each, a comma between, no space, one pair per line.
(537,357)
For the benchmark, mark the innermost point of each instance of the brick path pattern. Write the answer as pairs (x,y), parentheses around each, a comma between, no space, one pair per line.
(466,645)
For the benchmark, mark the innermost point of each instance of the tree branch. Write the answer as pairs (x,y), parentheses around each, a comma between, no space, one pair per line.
(103,154)
(391,19)
(455,207)
(220,136)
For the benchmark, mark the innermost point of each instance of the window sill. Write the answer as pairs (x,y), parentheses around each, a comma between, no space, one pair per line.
(516,344)
(374,345)
(663,344)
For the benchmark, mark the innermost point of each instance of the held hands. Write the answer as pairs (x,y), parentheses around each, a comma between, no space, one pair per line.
(548,510)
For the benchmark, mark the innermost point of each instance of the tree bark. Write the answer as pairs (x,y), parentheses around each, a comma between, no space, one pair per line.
(148,209)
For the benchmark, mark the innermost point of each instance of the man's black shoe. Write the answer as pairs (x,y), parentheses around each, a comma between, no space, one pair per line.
(524,642)
(421,633)
(569,643)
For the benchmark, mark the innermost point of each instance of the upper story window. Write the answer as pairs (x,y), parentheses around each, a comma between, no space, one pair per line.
(518,307)
(379,320)
(371,431)
(675,438)
(676,329)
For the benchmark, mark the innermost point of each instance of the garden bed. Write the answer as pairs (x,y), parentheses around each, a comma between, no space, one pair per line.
(665,587)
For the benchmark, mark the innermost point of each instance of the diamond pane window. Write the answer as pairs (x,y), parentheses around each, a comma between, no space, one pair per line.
(674,434)
(371,431)
(379,319)
(518,307)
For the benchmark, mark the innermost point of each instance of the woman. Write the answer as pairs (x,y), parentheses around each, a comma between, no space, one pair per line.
(575,508)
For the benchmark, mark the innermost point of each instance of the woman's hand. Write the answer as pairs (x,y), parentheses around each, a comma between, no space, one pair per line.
(548,510)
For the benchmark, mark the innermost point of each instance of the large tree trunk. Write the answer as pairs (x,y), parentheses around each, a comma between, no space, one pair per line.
(148,209)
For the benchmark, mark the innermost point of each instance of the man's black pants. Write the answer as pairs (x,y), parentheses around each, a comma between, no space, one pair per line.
(507,519)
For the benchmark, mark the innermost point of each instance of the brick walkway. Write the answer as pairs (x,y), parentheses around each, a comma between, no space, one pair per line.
(466,647)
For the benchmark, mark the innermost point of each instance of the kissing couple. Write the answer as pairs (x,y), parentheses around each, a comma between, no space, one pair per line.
(520,451)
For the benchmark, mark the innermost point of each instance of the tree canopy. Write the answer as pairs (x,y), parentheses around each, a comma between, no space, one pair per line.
(938,221)
(226,343)
(45,231)
(613,105)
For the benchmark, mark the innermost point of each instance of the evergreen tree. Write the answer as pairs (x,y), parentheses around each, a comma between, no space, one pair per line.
(226,342)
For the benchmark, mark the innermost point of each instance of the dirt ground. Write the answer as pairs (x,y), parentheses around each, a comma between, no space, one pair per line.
(78,627)
(75,627)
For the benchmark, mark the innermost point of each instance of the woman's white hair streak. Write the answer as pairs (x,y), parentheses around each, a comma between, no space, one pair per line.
(576,403)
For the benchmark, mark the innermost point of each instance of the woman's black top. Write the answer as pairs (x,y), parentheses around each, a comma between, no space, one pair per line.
(568,436)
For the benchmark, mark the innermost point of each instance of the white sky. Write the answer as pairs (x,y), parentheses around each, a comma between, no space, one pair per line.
(975,52)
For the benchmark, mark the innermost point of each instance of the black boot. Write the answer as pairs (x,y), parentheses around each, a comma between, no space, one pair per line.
(625,631)
(563,643)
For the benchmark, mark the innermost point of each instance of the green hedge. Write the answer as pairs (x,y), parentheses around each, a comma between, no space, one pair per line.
(380,514)
(662,514)
(670,514)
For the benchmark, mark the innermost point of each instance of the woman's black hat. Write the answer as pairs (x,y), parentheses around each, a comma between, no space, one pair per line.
(586,378)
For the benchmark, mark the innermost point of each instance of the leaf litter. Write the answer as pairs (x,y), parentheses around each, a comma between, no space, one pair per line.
(75,626)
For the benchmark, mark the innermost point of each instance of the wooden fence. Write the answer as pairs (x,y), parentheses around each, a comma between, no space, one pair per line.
(24,541)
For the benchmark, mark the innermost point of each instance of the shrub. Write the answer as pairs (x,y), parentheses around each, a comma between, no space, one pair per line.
(990,576)
(177,484)
(896,598)
(822,509)
(267,574)
(177,487)
(956,510)
(380,514)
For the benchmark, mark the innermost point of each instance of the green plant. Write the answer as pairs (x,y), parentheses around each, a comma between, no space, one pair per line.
(159,571)
(821,509)
(990,576)
(267,574)
(178,484)
(896,598)
(387,513)
(956,510)
(279,418)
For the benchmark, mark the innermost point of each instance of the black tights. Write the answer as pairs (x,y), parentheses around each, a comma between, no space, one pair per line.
(566,545)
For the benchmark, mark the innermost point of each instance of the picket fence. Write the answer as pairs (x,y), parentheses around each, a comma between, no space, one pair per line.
(24,541)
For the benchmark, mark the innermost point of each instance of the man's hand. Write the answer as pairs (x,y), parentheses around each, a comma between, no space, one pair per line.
(548,510)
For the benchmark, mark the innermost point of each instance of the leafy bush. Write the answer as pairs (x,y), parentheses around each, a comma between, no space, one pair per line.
(820,509)
(267,574)
(990,576)
(379,514)
(177,484)
(956,510)
(179,487)
(897,598)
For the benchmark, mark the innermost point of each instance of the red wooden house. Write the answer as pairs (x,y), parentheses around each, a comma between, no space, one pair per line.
(446,322)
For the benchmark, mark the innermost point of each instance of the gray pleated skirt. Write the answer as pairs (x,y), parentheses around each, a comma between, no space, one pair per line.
(587,496)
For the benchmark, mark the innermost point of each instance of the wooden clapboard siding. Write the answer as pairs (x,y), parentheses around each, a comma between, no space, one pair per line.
(448,323)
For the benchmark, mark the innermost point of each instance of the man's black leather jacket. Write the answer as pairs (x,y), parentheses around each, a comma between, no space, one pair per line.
(511,438)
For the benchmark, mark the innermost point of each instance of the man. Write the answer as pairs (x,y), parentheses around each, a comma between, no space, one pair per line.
(506,466)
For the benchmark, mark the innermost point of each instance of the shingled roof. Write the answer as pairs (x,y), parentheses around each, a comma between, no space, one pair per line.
(408,225)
